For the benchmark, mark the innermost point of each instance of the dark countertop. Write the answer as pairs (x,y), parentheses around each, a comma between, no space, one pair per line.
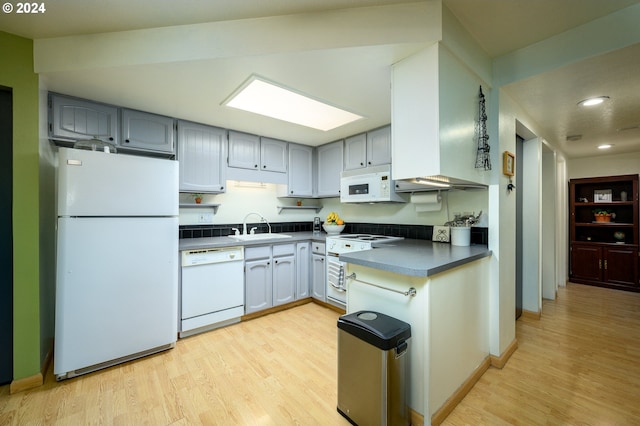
(418,258)
(214,242)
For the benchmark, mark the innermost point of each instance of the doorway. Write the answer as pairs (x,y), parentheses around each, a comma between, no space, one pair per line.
(518,183)
(6,235)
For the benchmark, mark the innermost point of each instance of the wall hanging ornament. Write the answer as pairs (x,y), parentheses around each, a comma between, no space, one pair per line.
(483,159)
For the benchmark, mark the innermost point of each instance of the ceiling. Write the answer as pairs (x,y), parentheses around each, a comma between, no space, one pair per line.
(355,78)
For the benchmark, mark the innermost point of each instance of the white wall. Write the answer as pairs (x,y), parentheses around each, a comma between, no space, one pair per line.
(531,224)
(604,165)
(549,217)
(242,198)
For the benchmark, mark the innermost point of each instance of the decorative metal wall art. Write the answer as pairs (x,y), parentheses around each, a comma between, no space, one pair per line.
(483,158)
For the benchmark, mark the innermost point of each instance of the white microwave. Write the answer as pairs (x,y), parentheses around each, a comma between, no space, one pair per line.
(369,185)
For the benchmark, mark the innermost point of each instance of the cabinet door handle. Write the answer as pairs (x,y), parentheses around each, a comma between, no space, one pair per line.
(605,264)
(599,263)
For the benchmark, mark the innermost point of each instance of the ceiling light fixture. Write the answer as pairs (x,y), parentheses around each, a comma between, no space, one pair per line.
(593,101)
(267,98)
(605,146)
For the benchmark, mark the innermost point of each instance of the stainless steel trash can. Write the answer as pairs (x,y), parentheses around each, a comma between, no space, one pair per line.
(372,368)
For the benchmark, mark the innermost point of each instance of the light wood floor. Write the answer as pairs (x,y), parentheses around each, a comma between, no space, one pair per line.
(578,365)
(279,369)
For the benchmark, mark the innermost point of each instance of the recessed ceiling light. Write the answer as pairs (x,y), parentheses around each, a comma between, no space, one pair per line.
(593,101)
(605,146)
(260,96)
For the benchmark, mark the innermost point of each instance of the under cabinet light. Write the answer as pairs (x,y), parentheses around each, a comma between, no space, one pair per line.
(263,97)
(432,182)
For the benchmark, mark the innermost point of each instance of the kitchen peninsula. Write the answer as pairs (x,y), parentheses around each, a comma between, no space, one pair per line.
(449,313)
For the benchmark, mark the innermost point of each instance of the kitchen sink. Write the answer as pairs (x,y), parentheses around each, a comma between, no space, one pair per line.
(263,236)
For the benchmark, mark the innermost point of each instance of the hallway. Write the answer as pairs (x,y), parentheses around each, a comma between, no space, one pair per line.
(577,365)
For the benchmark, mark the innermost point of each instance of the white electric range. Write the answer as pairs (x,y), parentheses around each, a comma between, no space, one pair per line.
(347,243)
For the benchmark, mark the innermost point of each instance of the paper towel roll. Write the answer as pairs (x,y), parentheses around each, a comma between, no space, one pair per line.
(428,202)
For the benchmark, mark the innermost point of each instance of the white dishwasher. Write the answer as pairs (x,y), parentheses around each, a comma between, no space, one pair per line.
(212,289)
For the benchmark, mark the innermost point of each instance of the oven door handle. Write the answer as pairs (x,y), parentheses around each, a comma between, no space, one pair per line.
(337,287)
(335,275)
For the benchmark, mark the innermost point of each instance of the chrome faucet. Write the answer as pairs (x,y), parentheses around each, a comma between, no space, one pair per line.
(262,219)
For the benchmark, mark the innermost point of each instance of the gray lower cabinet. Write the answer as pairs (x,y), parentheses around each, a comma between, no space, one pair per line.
(270,276)
(303,270)
(72,119)
(258,282)
(284,279)
(318,272)
(143,131)
(202,156)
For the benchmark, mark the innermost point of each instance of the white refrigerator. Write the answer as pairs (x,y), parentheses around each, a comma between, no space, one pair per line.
(117,259)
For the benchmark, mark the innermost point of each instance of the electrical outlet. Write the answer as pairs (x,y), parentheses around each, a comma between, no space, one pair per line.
(205,218)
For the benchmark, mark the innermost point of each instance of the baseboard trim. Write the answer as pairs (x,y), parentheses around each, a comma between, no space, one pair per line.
(451,403)
(329,306)
(34,381)
(501,361)
(531,315)
(275,309)
(415,418)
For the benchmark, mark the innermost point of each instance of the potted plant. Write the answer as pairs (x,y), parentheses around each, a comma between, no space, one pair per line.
(602,215)
(197,197)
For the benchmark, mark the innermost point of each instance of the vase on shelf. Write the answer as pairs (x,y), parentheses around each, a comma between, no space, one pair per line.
(602,217)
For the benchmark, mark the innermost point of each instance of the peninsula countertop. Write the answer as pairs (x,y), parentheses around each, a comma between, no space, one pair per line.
(418,258)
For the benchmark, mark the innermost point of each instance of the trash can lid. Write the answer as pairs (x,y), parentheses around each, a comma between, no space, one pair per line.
(375,328)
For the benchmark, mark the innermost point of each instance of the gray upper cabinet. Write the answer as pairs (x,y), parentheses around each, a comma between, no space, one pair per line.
(252,152)
(355,152)
(300,179)
(368,149)
(330,160)
(244,150)
(273,155)
(143,131)
(379,146)
(72,119)
(202,156)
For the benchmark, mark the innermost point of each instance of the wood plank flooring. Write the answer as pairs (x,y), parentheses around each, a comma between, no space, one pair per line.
(279,369)
(577,365)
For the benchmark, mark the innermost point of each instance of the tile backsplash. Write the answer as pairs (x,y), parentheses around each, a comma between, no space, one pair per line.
(479,235)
